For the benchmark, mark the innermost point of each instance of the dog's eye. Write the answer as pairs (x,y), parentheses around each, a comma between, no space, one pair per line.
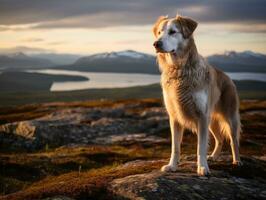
(171,32)
(159,32)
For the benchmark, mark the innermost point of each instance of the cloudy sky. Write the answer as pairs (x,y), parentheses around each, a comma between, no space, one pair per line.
(91,26)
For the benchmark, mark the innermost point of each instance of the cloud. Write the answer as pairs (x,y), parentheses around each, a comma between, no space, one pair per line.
(231,27)
(20,27)
(33,40)
(56,43)
(100,13)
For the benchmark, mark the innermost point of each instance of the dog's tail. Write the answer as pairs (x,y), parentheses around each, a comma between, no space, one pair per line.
(238,127)
(231,128)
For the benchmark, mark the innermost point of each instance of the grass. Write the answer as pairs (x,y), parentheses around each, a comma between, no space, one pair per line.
(85,185)
(246,89)
(94,163)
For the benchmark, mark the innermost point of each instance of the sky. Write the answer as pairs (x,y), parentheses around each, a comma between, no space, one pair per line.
(92,26)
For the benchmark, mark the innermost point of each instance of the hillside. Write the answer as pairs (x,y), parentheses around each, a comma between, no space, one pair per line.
(114,150)
(28,82)
(246,90)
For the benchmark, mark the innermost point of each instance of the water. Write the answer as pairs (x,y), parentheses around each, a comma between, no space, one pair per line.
(99,80)
(247,76)
(121,80)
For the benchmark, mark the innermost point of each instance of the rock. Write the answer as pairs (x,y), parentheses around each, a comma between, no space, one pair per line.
(131,138)
(58,198)
(123,123)
(185,184)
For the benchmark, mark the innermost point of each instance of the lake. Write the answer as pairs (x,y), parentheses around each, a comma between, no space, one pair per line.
(121,80)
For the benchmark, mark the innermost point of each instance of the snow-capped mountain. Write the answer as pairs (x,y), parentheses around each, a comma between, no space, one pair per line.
(130,54)
(128,61)
(136,62)
(246,61)
(244,54)
(235,55)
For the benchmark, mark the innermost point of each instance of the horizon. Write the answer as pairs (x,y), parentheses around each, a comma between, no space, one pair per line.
(81,55)
(86,28)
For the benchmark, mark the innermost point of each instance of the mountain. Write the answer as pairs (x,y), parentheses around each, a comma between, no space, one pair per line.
(135,62)
(128,61)
(246,61)
(58,59)
(22,61)
(123,61)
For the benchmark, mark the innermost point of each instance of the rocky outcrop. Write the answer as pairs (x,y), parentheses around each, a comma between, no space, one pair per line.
(108,123)
(124,123)
(225,182)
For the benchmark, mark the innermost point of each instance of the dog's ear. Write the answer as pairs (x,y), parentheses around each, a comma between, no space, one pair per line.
(187,26)
(159,20)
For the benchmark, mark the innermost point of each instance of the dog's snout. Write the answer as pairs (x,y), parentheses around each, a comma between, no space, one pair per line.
(158,44)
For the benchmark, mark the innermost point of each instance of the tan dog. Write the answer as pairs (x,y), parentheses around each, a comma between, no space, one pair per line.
(196,95)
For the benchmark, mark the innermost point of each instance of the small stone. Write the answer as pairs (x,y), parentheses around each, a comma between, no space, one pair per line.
(196,187)
(203,177)
(154,190)
(263,194)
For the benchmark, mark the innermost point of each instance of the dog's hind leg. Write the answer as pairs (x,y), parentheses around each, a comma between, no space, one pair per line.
(216,131)
(177,135)
(234,134)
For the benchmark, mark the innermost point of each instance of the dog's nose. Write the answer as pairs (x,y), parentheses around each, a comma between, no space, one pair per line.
(158,44)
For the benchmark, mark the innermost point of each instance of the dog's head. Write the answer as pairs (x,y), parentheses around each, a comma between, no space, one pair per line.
(171,34)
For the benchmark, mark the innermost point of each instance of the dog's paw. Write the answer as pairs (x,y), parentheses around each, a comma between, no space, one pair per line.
(203,170)
(169,168)
(237,163)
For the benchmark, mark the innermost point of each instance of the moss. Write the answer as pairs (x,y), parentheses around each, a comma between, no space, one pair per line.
(80,185)
(9,185)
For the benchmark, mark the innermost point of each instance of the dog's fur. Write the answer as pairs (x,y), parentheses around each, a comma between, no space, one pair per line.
(197,96)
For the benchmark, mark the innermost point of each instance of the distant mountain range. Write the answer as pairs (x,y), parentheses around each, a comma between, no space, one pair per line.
(123,61)
(135,62)
(246,61)
(58,59)
(21,60)
(128,62)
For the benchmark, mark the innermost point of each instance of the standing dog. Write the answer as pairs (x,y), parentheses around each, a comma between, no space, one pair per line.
(196,95)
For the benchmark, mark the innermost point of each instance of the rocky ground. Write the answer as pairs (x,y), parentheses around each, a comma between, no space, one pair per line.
(114,150)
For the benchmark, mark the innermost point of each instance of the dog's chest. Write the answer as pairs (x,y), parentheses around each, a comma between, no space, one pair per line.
(184,101)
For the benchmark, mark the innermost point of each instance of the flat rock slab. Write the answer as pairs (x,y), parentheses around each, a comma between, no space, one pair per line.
(185,184)
(157,185)
(87,126)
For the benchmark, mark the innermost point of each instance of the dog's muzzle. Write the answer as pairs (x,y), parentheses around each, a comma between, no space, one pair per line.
(158,46)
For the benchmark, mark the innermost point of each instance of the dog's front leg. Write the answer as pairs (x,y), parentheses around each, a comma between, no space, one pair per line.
(177,134)
(202,132)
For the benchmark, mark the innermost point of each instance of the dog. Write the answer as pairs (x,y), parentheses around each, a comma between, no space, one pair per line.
(196,95)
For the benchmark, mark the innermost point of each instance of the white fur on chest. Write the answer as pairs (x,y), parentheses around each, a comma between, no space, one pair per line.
(201,100)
